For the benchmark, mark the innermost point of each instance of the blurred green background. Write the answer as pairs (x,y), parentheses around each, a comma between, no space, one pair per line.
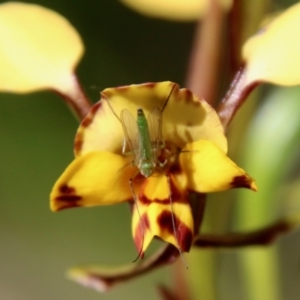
(37,132)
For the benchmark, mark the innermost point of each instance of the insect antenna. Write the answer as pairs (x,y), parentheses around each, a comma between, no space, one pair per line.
(167,100)
(112,109)
(139,213)
(174,224)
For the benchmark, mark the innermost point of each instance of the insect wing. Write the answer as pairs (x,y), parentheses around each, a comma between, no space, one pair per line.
(130,129)
(155,129)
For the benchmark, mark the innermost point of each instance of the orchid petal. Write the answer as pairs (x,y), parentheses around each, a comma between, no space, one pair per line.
(273,54)
(39,49)
(93,179)
(179,10)
(163,212)
(208,169)
(199,120)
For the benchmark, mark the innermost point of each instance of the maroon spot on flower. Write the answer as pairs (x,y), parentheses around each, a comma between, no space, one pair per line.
(150,84)
(175,169)
(95,107)
(89,118)
(241,182)
(121,88)
(188,94)
(86,121)
(183,233)
(141,231)
(78,142)
(67,197)
(175,195)
(65,189)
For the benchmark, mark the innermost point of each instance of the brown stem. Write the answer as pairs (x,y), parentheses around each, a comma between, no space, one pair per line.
(234,29)
(76,99)
(102,279)
(198,203)
(202,74)
(260,237)
(181,287)
(235,97)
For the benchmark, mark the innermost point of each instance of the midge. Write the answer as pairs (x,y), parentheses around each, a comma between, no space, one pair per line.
(144,138)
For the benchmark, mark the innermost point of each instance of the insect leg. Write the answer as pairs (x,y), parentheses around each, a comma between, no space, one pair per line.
(174,223)
(169,96)
(139,213)
(124,146)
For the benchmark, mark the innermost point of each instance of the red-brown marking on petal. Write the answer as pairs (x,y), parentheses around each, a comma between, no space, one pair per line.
(189,97)
(175,169)
(242,181)
(188,94)
(138,236)
(126,87)
(78,142)
(89,118)
(68,197)
(150,84)
(65,189)
(183,233)
(175,195)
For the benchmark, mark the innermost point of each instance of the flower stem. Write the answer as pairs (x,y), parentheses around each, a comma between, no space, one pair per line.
(102,279)
(235,97)
(259,237)
(202,76)
(235,24)
(76,99)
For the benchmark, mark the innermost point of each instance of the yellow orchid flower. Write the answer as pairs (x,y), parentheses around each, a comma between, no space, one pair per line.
(195,155)
(39,49)
(178,10)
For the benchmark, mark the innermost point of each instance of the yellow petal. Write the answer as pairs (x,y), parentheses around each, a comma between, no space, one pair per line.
(39,49)
(158,208)
(208,169)
(178,10)
(97,178)
(93,133)
(186,118)
(273,54)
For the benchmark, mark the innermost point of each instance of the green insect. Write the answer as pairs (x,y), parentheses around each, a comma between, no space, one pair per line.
(144,138)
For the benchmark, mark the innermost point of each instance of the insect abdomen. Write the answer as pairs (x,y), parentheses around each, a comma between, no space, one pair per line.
(144,135)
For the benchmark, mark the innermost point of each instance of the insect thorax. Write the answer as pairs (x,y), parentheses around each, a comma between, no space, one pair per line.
(147,168)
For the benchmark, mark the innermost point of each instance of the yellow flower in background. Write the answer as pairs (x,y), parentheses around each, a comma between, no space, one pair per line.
(39,49)
(177,10)
(273,54)
(195,152)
